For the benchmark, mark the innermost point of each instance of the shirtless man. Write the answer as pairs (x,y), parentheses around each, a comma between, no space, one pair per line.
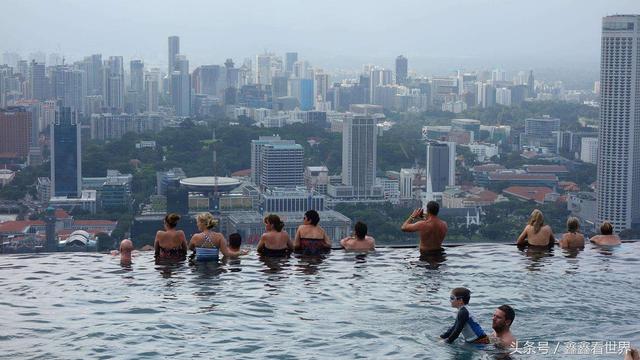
(360,241)
(432,230)
(502,320)
(607,238)
(126,247)
(536,233)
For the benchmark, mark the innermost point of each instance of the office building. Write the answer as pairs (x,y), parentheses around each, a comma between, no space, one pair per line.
(173,51)
(401,70)
(540,132)
(66,162)
(589,150)
(181,87)
(618,195)
(15,131)
(113,84)
(441,165)
(359,154)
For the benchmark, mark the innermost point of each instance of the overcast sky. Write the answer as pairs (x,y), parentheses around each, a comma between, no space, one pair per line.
(330,33)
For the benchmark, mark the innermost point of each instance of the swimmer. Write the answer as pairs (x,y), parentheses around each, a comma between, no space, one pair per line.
(501,324)
(311,239)
(235,241)
(607,238)
(360,241)
(125,250)
(573,238)
(274,242)
(207,244)
(536,233)
(465,323)
(432,230)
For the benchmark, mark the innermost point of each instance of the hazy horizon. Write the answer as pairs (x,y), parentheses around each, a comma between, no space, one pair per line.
(434,35)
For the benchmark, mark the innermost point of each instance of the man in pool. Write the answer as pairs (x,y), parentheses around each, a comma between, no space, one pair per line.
(465,324)
(502,320)
(432,230)
(126,247)
(235,242)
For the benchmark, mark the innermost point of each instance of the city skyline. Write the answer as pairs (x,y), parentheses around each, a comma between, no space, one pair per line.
(481,37)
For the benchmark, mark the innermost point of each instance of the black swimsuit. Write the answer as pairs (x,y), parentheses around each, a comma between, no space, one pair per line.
(274,252)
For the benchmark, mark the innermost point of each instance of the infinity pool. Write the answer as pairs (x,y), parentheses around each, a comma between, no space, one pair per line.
(387,304)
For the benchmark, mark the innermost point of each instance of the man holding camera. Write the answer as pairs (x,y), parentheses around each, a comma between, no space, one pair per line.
(432,230)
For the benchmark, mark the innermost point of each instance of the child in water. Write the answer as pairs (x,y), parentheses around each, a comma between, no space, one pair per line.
(465,323)
(125,250)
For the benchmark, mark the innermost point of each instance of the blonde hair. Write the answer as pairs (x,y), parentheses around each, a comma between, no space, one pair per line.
(536,220)
(207,220)
(573,224)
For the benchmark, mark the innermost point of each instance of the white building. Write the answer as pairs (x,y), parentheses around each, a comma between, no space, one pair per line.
(618,197)
(407,179)
(589,150)
(503,96)
(483,151)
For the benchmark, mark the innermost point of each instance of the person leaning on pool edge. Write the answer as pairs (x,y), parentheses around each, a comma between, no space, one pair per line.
(607,238)
(310,238)
(431,229)
(536,233)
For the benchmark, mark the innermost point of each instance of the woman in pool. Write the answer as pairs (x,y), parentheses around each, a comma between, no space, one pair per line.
(311,239)
(359,241)
(572,239)
(208,244)
(170,244)
(607,238)
(536,233)
(274,242)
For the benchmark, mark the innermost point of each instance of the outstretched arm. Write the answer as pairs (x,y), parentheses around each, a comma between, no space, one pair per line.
(452,334)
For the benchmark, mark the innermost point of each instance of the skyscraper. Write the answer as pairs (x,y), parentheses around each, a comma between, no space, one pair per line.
(276,162)
(15,131)
(531,85)
(174,50)
(137,75)
(151,89)
(37,81)
(290,59)
(181,87)
(113,83)
(68,85)
(359,146)
(618,192)
(401,70)
(441,165)
(92,66)
(66,163)
(263,69)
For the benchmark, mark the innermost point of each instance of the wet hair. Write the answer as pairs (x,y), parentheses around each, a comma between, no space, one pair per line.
(606,228)
(360,229)
(462,293)
(172,220)
(275,221)
(573,224)
(536,220)
(509,313)
(235,240)
(313,217)
(433,207)
(207,220)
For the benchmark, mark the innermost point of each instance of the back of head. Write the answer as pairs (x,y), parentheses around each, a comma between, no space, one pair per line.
(360,229)
(207,220)
(433,208)
(172,220)
(313,217)
(126,245)
(606,228)
(235,240)
(462,293)
(573,224)
(509,313)
(275,221)
(536,220)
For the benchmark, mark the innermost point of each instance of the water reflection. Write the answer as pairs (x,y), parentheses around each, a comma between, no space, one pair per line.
(309,264)
(537,255)
(274,264)
(432,259)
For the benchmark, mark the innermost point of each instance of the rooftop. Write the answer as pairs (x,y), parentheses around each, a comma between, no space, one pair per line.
(535,193)
(546,169)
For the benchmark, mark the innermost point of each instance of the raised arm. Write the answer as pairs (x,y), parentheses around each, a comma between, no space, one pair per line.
(409,225)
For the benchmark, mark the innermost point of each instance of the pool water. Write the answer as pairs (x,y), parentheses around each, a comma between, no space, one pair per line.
(387,304)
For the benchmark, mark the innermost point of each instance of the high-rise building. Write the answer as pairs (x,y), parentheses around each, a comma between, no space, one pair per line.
(209,80)
(37,81)
(531,85)
(151,89)
(66,163)
(263,69)
(441,165)
(68,85)
(378,77)
(359,158)
(589,150)
(113,84)
(181,87)
(92,66)
(282,166)
(278,149)
(321,86)
(503,96)
(290,59)
(540,132)
(618,192)
(401,70)
(137,76)
(15,131)
(174,50)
